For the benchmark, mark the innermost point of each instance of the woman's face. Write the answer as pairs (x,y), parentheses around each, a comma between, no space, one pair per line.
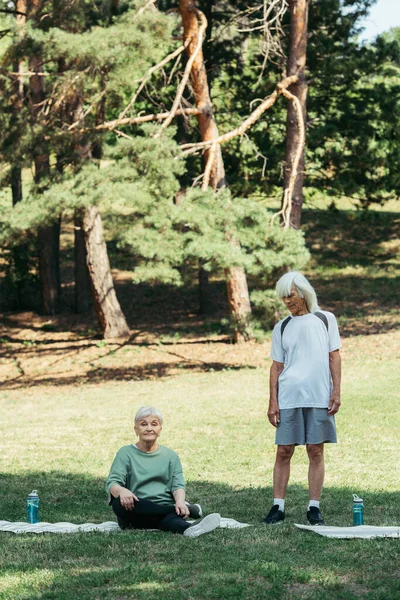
(148,429)
(295,303)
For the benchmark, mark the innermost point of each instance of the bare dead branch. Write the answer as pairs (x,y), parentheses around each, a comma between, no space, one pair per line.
(111,125)
(149,4)
(149,73)
(270,23)
(122,134)
(288,193)
(29,74)
(11,11)
(85,114)
(255,115)
(186,75)
(210,163)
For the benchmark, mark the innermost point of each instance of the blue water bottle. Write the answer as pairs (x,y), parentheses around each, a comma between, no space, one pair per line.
(32,507)
(358,510)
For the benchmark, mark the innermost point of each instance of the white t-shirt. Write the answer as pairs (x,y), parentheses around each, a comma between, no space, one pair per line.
(304,347)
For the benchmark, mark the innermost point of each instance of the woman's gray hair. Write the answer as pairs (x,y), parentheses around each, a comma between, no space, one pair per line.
(303,286)
(146,411)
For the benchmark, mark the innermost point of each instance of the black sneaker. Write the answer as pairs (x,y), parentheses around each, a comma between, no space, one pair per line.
(195,510)
(314,516)
(274,516)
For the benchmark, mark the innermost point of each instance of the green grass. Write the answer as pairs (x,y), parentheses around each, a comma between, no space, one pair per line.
(62,440)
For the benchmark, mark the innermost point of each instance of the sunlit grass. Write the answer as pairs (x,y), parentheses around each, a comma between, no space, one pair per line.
(61,440)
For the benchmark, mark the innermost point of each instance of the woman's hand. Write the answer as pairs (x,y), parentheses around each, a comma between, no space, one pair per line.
(127,499)
(182,509)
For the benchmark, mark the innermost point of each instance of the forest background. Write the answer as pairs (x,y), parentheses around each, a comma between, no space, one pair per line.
(107,128)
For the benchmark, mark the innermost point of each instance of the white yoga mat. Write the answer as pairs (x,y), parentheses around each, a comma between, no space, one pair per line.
(361,531)
(22,527)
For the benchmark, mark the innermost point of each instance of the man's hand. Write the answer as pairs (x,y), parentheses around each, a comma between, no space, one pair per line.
(334,404)
(182,509)
(127,499)
(273,414)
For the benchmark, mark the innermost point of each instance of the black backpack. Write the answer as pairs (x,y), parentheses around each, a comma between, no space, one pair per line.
(320,315)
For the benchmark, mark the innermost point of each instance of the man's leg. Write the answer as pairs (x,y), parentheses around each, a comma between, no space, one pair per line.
(284,454)
(282,469)
(316,470)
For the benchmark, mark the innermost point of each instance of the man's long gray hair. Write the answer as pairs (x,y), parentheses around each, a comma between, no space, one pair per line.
(305,289)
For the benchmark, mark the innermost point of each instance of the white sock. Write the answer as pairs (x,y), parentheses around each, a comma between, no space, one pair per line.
(313,503)
(281,503)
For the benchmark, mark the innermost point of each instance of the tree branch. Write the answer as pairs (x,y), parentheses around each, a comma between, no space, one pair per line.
(189,65)
(110,125)
(149,73)
(255,115)
(11,11)
(288,193)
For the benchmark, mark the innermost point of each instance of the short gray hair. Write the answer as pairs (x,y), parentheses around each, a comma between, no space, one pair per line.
(303,286)
(146,411)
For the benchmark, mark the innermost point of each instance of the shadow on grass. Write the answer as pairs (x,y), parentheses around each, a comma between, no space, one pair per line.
(257,562)
(144,372)
(343,238)
(82,498)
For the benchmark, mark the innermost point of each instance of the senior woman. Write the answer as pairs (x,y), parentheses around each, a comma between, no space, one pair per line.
(146,484)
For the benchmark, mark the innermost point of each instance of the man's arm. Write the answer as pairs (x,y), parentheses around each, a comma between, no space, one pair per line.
(273,409)
(335,363)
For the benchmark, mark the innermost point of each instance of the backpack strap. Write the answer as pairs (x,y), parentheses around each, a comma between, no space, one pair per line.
(284,323)
(318,314)
(323,318)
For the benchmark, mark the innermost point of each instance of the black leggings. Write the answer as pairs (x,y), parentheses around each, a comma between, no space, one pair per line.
(149,515)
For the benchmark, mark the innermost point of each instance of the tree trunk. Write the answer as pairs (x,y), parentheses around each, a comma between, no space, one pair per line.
(82,290)
(19,253)
(110,316)
(49,235)
(238,295)
(82,281)
(205,303)
(207,125)
(49,261)
(296,66)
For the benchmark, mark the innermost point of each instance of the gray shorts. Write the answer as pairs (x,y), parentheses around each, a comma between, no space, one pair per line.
(301,426)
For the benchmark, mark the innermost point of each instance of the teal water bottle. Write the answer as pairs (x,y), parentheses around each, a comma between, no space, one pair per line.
(358,510)
(32,507)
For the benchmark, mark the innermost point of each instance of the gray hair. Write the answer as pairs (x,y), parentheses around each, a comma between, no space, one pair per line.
(146,411)
(303,286)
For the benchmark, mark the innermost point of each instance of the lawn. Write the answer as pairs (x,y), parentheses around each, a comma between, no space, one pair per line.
(67,404)
(62,440)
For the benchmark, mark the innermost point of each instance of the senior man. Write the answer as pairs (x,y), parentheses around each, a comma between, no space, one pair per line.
(304,390)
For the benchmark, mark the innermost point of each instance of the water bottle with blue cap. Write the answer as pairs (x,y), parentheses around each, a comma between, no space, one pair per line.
(358,510)
(32,507)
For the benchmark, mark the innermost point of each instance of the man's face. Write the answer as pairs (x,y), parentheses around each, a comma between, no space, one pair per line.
(295,303)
